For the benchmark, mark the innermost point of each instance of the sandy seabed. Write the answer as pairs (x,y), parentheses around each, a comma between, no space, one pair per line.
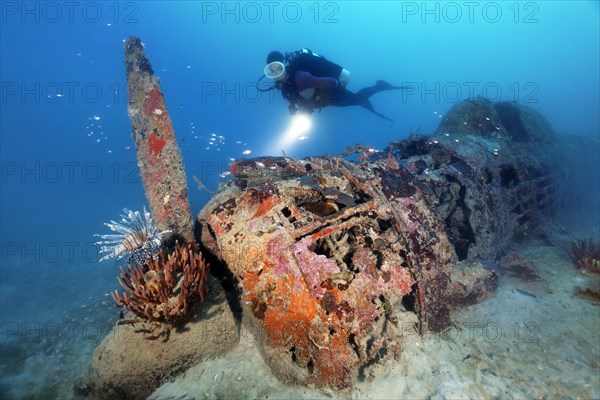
(531,340)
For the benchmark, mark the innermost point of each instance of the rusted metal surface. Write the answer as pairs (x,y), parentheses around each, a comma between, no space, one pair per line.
(312,261)
(158,155)
(337,261)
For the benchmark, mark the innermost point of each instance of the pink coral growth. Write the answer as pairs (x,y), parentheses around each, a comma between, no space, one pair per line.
(154,101)
(315,267)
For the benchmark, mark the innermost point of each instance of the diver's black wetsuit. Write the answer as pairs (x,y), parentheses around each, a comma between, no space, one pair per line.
(323,77)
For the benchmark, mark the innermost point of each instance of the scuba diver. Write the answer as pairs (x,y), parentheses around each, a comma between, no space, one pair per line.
(309,81)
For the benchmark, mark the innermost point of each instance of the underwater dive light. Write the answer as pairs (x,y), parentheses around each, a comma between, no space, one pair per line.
(299,126)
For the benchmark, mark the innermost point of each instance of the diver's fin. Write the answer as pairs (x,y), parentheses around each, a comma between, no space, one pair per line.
(381,115)
(367,104)
(383,85)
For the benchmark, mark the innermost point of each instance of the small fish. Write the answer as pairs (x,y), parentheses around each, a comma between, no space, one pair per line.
(523,292)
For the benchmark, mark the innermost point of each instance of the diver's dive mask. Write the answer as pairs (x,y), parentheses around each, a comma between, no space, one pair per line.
(274,70)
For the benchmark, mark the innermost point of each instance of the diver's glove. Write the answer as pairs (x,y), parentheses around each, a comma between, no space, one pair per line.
(292,108)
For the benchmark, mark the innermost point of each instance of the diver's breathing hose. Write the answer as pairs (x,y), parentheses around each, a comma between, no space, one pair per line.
(264,90)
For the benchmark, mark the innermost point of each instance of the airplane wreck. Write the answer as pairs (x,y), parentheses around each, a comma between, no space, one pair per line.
(335,262)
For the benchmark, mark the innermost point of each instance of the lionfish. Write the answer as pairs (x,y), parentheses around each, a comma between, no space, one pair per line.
(136,237)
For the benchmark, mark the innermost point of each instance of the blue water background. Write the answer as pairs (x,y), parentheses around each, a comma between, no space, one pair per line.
(59,184)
